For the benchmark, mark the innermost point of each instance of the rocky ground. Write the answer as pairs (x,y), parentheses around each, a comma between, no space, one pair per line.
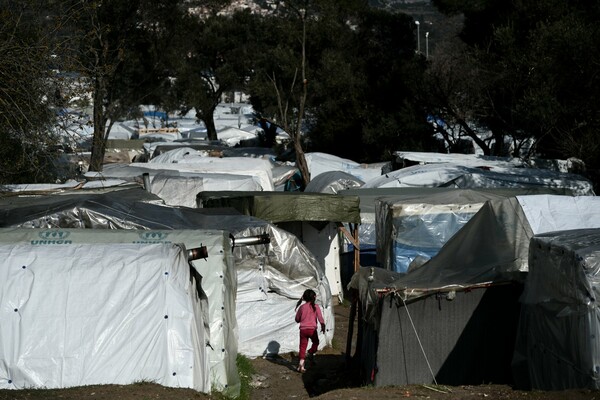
(327,379)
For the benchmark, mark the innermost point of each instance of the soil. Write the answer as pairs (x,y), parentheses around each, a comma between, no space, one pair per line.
(326,379)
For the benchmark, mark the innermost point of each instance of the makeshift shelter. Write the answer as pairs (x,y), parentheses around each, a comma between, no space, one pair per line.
(454,318)
(399,225)
(412,228)
(256,168)
(419,227)
(91,314)
(174,187)
(332,182)
(314,218)
(270,278)
(468,177)
(557,340)
(319,163)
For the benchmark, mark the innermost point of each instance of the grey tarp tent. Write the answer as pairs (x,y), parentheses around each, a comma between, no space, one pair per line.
(464,301)
(557,341)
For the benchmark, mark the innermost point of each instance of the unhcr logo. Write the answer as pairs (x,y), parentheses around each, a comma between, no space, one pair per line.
(152,237)
(52,236)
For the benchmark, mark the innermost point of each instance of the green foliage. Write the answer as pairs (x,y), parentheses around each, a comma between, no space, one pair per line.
(120,48)
(360,67)
(27,146)
(538,72)
(218,53)
(245,370)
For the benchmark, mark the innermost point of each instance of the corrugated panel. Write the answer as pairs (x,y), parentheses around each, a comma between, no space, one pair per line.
(467,340)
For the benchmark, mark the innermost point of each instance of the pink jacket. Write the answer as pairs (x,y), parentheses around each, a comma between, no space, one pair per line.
(307,317)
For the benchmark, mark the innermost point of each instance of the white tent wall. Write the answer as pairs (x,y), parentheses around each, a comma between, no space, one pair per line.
(259,169)
(218,283)
(560,319)
(270,283)
(324,242)
(90,314)
(261,337)
(182,190)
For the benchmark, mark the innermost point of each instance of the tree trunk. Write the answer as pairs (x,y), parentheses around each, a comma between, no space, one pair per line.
(301,160)
(209,121)
(99,138)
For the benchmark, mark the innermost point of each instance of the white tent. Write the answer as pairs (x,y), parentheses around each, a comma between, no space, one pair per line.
(256,168)
(172,186)
(90,314)
(322,162)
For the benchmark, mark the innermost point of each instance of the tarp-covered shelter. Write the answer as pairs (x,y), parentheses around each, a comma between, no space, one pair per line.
(557,341)
(408,218)
(319,163)
(77,314)
(270,278)
(468,177)
(417,225)
(332,182)
(454,319)
(315,218)
(257,168)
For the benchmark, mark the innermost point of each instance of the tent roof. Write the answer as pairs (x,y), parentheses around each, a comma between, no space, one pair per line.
(286,206)
(332,182)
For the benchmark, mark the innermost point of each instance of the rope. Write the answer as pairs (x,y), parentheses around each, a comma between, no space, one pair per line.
(419,340)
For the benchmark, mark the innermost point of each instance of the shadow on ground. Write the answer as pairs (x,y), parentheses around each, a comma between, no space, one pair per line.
(326,373)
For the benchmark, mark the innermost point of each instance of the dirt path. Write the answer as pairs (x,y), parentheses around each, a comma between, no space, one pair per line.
(276,377)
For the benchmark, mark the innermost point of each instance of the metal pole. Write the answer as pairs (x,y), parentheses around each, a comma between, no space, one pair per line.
(250,240)
(418,36)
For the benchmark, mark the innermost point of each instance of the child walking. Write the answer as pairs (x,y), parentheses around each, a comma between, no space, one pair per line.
(307,315)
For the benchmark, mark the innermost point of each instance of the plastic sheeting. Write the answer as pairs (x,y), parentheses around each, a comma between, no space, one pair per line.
(216,281)
(332,182)
(312,217)
(494,245)
(419,226)
(453,175)
(257,168)
(83,314)
(560,318)
(319,163)
(182,190)
(288,266)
